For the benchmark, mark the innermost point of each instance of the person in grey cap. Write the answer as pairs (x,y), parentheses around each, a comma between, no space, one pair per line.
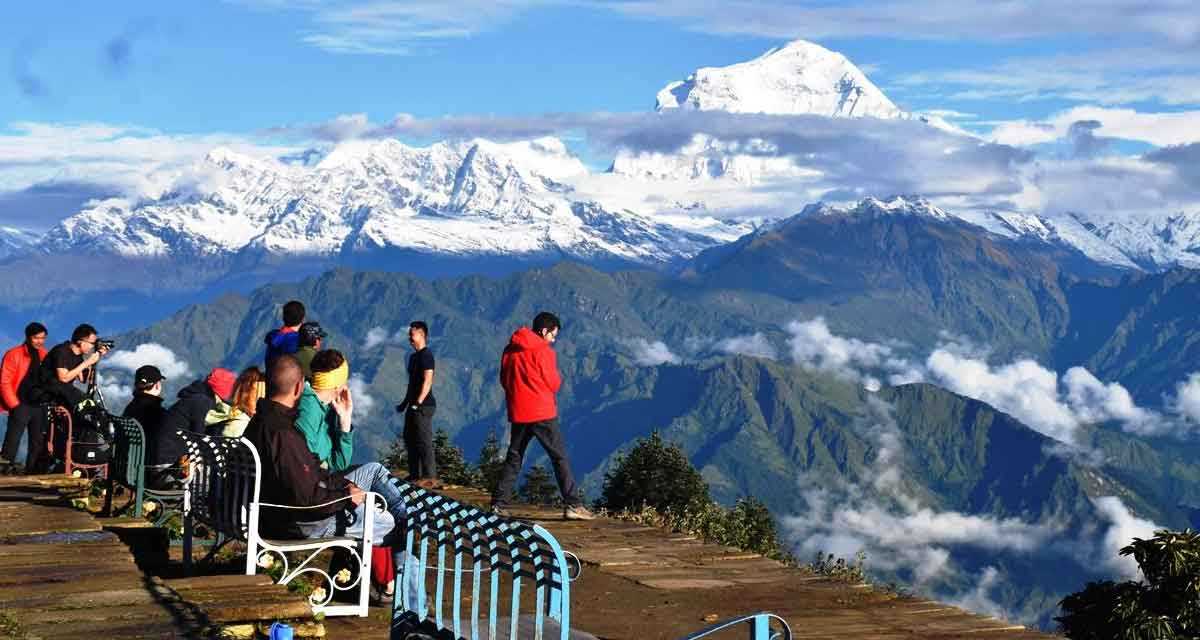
(147,404)
(311,337)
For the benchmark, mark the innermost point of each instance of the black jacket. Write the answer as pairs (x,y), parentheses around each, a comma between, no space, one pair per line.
(291,473)
(149,412)
(187,414)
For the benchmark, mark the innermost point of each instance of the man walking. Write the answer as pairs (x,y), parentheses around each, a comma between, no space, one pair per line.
(529,375)
(418,407)
(19,369)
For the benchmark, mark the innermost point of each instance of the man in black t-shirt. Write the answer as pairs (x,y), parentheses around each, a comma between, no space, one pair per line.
(418,408)
(64,366)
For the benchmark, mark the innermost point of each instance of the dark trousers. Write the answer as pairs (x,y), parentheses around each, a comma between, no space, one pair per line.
(547,433)
(20,420)
(418,441)
(37,460)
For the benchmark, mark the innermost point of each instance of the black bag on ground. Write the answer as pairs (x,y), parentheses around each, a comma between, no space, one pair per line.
(92,435)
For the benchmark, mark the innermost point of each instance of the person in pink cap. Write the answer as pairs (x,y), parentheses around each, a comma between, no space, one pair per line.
(188,413)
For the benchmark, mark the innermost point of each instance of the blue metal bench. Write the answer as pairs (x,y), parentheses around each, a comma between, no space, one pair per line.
(455,541)
(458,542)
(759,623)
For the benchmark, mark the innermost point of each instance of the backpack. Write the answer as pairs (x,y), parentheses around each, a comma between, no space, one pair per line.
(93,435)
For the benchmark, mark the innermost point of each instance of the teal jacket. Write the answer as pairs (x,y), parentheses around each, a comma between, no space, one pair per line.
(321,428)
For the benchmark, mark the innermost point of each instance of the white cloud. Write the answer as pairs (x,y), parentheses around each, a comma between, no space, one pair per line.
(1172,20)
(1123,528)
(1095,401)
(652,354)
(814,346)
(980,600)
(755,345)
(893,528)
(399,28)
(375,337)
(150,353)
(1159,129)
(1186,401)
(137,161)
(364,402)
(115,394)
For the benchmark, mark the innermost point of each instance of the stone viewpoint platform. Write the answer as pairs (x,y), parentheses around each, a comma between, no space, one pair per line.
(65,573)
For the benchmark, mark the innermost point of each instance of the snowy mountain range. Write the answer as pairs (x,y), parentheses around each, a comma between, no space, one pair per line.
(468,199)
(480,200)
(1149,244)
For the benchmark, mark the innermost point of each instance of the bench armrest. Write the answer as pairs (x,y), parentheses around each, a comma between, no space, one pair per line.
(369,495)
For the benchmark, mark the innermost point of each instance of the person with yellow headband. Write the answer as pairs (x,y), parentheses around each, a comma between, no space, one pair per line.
(325,411)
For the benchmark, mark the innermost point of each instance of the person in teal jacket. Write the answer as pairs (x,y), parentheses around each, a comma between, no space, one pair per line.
(325,411)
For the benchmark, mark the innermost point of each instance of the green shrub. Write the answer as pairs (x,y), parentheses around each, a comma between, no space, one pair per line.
(1164,606)
(654,474)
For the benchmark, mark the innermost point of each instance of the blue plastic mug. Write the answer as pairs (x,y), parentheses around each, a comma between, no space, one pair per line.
(281,631)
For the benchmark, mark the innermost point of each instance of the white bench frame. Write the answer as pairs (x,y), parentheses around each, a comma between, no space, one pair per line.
(222,492)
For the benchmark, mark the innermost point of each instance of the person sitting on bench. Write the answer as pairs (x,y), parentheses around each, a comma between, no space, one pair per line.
(292,475)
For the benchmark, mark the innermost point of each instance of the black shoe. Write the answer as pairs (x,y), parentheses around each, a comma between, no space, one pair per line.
(498,510)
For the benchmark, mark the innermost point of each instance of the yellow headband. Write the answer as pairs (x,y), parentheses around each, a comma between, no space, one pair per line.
(326,380)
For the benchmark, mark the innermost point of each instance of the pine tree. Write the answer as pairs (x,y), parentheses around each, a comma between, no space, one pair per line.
(539,487)
(452,466)
(491,463)
(655,474)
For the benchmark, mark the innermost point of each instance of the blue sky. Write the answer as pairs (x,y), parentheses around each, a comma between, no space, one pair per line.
(239,67)
(94,97)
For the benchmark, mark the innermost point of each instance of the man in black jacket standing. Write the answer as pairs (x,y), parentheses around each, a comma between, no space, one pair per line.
(292,475)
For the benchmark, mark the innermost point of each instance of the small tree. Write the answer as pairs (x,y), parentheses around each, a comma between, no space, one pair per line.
(655,474)
(491,463)
(749,526)
(451,464)
(1165,606)
(539,487)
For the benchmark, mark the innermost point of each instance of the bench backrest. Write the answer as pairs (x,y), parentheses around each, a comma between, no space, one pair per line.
(457,541)
(222,482)
(129,454)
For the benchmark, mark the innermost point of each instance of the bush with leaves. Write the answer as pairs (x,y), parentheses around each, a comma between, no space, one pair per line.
(657,474)
(1164,606)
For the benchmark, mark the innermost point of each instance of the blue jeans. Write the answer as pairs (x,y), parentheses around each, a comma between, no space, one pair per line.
(389,526)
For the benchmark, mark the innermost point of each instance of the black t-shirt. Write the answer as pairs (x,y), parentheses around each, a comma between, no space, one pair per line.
(418,363)
(60,357)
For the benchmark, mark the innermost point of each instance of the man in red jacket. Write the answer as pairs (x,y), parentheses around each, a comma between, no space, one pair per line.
(17,365)
(529,375)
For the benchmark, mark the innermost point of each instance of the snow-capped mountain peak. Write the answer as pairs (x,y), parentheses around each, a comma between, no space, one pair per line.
(798,78)
(461,198)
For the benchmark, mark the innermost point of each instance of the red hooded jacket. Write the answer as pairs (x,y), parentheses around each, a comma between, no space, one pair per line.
(13,369)
(529,375)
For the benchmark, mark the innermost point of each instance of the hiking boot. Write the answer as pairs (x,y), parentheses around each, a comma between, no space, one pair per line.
(578,512)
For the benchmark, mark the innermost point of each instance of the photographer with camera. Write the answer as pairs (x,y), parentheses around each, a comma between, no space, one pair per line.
(65,365)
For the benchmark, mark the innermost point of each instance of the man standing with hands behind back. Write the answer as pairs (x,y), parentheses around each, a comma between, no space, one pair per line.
(419,406)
